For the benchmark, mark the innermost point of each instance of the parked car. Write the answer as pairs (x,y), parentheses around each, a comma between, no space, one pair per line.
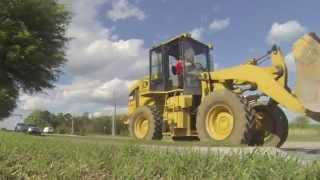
(34,130)
(21,127)
(48,130)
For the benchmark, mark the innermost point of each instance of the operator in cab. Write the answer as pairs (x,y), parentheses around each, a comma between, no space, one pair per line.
(177,70)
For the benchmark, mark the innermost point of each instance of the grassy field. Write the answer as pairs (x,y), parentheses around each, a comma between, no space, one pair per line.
(311,133)
(95,157)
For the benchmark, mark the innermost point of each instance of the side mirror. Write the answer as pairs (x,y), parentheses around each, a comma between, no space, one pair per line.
(174,70)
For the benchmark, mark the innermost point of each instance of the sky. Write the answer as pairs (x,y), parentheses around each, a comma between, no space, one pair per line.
(111,38)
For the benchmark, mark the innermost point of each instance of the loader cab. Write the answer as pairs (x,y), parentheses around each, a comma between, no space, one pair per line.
(194,57)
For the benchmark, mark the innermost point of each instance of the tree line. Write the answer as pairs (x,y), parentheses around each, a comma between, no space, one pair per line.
(82,125)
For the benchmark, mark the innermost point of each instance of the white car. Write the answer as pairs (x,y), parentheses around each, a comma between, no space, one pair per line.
(48,130)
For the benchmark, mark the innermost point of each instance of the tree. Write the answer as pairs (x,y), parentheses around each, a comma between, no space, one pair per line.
(8,96)
(301,121)
(40,118)
(60,123)
(32,48)
(102,125)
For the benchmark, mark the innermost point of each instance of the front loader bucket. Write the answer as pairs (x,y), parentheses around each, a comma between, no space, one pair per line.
(306,52)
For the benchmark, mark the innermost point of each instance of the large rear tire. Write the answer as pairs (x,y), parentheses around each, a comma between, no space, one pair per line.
(224,117)
(275,126)
(146,123)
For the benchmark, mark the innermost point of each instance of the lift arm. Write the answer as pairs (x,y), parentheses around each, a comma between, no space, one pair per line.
(265,82)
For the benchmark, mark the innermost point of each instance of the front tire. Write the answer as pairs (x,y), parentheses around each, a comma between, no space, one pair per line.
(274,125)
(223,117)
(146,123)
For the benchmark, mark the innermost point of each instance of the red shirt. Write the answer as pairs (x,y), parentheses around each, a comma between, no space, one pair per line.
(179,67)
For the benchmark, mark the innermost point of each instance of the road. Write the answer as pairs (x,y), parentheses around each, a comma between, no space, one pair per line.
(305,152)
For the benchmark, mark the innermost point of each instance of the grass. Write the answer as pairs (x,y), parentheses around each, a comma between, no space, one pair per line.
(31,157)
(308,133)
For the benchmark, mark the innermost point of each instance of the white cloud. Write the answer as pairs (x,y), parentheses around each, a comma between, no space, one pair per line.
(219,24)
(115,88)
(217,66)
(97,52)
(197,33)
(99,62)
(123,9)
(291,65)
(83,95)
(290,62)
(102,57)
(285,32)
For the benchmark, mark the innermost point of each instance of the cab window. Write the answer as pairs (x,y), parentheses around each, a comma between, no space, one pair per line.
(156,69)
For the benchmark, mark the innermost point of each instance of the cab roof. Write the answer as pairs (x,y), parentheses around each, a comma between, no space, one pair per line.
(180,37)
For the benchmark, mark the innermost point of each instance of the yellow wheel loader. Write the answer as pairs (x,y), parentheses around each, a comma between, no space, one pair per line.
(184,97)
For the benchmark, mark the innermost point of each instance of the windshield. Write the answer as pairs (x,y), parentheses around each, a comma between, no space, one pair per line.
(196,57)
(196,61)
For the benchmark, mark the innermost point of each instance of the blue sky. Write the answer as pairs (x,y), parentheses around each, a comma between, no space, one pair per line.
(111,38)
(250,22)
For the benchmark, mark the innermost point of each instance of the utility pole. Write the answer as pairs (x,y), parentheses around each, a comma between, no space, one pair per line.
(114,114)
(72,125)
(72,122)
